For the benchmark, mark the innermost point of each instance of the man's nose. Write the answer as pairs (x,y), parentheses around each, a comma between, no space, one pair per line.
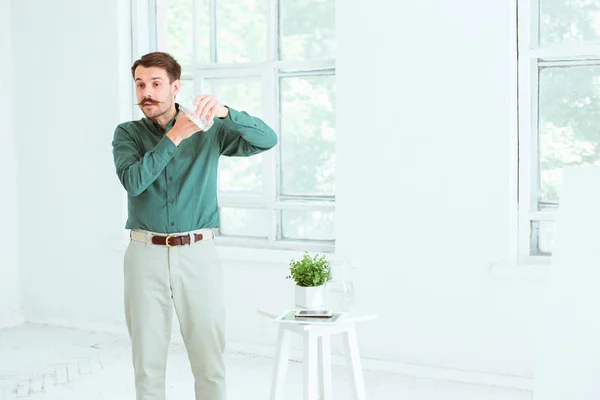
(147,93)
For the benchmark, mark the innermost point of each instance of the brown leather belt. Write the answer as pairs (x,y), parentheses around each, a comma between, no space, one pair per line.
(172,240)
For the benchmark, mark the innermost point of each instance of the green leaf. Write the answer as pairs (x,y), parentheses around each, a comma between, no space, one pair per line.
(309,271)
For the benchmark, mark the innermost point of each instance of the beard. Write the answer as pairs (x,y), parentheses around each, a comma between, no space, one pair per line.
(154,108)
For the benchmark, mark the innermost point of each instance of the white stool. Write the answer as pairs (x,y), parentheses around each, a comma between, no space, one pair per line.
(317,357)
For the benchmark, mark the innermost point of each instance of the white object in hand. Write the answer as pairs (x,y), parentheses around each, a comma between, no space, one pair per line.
(190,113)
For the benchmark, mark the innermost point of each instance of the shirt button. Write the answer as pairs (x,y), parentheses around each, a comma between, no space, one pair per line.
(171,201)
(172,223)
(170,154)
(170,178)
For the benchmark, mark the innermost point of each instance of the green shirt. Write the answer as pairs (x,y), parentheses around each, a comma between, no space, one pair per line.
(174,189)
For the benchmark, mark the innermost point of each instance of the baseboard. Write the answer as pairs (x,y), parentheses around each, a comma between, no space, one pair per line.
(408,370)
(10,319)
(111,328)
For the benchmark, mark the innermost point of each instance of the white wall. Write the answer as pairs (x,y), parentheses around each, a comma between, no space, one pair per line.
(434,154)
(10,298)
(424,127)
(425,114)
(66,66)
(425,122)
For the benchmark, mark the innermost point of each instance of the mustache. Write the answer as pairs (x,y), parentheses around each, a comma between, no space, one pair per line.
(149,101)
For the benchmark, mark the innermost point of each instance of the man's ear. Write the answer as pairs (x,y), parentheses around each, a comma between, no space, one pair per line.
(176,86)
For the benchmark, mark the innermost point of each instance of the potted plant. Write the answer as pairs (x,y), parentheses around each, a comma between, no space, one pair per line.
(310,275)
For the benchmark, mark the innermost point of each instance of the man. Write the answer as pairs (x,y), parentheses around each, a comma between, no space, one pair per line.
(169,170)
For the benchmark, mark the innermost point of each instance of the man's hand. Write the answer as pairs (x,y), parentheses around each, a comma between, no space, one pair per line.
(209,107)
(182,129)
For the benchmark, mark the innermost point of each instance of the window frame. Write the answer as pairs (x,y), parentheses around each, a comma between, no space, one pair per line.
(145,39)
(531,56)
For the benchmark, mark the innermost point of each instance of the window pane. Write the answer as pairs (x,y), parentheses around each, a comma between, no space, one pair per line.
(175,19)
(240,173)
(244,222)
(542,237)
(569,21)
(241,31)
(186,91)
(308,29)
(202,31)
(308,135)
(241,94)
(569,134)
(206,87)
(307,225)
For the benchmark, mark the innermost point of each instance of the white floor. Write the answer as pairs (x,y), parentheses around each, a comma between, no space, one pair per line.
(53,363)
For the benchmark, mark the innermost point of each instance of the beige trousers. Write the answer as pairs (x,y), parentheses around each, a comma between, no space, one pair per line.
(189,278)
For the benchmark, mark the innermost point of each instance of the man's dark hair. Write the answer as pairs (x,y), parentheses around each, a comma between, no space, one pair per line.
(160,60)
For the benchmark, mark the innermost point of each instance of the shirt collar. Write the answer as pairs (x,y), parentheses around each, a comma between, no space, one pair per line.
(159,128)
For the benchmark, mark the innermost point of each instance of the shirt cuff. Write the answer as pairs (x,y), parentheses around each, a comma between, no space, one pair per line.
(165,148)
(239,118)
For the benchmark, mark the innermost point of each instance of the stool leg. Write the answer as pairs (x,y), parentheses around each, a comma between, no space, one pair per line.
(310,366)
(353,357)
(282,357)
(326,391)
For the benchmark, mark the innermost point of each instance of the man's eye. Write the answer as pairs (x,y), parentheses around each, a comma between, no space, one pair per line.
(156,84)
(140,85)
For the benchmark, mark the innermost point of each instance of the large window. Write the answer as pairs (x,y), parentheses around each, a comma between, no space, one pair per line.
(274,59)
(559,108)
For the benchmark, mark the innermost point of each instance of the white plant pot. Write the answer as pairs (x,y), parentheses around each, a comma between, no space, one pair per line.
(310,296)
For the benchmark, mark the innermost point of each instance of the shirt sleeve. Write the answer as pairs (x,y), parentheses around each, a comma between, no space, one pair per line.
(242,135)
(138,170)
